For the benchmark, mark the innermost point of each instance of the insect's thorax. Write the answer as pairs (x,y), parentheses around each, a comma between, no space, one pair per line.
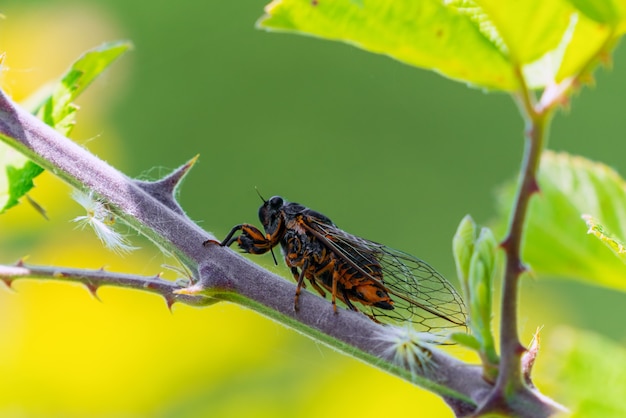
(298,245)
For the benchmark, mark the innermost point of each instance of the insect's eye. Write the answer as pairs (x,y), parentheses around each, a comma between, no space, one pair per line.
(276,202)
(380,294)
(360,295)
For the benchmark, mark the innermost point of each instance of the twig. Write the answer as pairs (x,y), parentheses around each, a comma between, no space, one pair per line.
(94,279)
(510,383)
(512,378)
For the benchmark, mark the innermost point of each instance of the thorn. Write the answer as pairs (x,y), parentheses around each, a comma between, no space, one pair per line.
(20,262)
(172,180)
(523,268)
(507,244)
(533,186)
(93,289)
(8,283)
(40,209)
(158,275)
(169,300)
(189,164)
(163,189)
(528,359)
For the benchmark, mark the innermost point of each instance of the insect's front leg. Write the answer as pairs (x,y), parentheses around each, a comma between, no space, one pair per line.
(251,240)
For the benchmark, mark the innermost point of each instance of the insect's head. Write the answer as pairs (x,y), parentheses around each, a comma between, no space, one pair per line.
(271,214)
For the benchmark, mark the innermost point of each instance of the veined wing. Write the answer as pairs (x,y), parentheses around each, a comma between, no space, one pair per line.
(421,295)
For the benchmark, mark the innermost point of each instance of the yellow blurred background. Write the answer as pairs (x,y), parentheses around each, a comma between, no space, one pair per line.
(390,153)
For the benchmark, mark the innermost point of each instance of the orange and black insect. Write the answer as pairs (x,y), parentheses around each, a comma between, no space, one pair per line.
(390,286)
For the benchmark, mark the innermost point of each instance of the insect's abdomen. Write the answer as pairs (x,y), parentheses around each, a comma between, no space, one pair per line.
(365,283)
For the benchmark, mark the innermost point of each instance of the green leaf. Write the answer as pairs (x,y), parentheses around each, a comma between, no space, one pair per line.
(17,176)
(481,273)
(482,267)
(16,171)
(590,42)
(586,372)
(480,42)
(58,110)
(463,248)
(465,340)
(609,12)
(475,259)
(529,28)
(599,24)
(605,236)
(426,33)
(543,71)
(556,239)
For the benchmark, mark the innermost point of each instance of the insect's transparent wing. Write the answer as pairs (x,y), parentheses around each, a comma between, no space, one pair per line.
(421,295)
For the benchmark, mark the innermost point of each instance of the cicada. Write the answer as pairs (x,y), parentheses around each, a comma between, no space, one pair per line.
(387,285)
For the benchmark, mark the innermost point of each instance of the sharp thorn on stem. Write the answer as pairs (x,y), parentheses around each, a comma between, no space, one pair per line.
(169,300)
(8,283)
(93,289)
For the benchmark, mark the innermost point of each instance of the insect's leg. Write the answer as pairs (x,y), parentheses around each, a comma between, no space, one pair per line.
(296,276)
(300,283)
(331,267)
(347,300)
(230,239)
(317,287)
(251,240)
(226,242)
(334,290)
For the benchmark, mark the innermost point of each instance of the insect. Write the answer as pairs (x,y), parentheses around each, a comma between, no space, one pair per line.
(388,285)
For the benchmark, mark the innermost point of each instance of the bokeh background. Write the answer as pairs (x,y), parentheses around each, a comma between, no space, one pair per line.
(389,152)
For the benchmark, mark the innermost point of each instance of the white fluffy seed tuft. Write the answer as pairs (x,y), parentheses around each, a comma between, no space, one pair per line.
(101,220)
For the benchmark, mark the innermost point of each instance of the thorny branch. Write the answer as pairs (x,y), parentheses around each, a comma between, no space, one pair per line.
(516,361)
(512,378)
(94,279)
(221,274)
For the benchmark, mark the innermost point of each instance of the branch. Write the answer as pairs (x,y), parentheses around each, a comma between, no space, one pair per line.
(510,384)
(511,347)
(94,279)
(221,274)
(514,372)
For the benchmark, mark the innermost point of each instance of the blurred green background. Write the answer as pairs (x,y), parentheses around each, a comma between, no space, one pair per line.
(389,152)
